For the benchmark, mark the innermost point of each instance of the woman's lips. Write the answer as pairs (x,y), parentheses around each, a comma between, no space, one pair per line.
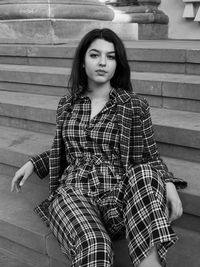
(101,72)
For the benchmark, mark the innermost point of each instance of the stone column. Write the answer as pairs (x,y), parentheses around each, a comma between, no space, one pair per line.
(58,21)
(49,21)
(54,9)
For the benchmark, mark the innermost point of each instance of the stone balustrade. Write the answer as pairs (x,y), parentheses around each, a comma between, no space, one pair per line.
(192,10)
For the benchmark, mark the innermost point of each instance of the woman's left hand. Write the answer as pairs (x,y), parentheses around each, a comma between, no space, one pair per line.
(174,202)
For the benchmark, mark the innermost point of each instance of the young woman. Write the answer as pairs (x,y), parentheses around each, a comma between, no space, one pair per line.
(106,177)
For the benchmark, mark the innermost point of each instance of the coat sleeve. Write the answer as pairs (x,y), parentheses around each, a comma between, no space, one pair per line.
(150,152)
(41,164)
(41,161)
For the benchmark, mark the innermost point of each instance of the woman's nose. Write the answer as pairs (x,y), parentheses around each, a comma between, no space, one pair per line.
(102,61)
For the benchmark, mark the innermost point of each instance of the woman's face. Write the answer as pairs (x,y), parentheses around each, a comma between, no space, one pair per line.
(100,62)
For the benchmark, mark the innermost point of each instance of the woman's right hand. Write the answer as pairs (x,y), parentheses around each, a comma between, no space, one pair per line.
(21,176)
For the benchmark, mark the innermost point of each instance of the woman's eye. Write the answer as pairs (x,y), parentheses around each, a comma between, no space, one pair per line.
(111,57)
(93,55)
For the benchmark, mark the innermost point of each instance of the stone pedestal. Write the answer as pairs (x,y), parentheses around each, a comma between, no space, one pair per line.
(57,21)
(152,23)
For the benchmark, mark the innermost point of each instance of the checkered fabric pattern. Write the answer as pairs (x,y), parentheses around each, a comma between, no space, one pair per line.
(85,223)
(87,160)
(92,147)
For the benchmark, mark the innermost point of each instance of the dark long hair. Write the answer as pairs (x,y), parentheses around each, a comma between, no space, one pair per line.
(78,79)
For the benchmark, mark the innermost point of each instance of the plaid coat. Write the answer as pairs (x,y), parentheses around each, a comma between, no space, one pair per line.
(137,144)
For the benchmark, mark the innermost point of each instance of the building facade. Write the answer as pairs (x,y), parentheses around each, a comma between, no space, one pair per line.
(184,18)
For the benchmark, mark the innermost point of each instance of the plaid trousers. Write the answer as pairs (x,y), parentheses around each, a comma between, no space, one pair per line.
(85,224)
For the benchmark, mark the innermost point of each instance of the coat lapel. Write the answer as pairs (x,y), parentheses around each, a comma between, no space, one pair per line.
(57,159)
(124,117)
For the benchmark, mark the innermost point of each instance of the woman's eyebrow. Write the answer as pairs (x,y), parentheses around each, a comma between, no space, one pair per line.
(98,51)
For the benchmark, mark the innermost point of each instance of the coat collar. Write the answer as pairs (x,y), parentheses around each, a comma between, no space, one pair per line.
(122,96)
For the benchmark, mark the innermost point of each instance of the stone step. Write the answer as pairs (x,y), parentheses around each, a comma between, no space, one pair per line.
(43,75)
(33,88)
(28,111)
(39,55)
(159,55)
(27,126)
(177,133)
(189,171)
(175,91)
(18,145)
(9,259)
(37,113)
(172,91)
(22,230)
(186,251)
(22,233)
(171,125)
(16,148)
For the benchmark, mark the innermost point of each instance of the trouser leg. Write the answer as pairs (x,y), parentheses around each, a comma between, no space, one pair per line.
(78,229)
(145,214)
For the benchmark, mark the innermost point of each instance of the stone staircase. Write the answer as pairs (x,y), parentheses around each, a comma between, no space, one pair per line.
(32,79)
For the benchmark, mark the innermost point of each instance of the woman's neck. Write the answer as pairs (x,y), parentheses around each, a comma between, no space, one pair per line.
(98,92)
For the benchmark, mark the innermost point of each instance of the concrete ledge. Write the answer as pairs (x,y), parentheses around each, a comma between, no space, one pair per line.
(169,124)
(186,251)
(34,75)
(27,255)
(54,79)
(152,31)
(58,31)
(25,124)
(54,250)
(19,145)
(180,152)
(190,172)
(181,51)
(155,56)
(176,127)
(18,223)
(33,88)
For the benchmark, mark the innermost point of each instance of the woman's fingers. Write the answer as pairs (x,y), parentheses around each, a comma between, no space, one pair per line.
(15,184)
(174,202)
(176,209)
(26,175)
(21,176)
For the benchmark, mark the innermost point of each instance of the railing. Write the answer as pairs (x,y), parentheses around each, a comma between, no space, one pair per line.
(192,10)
